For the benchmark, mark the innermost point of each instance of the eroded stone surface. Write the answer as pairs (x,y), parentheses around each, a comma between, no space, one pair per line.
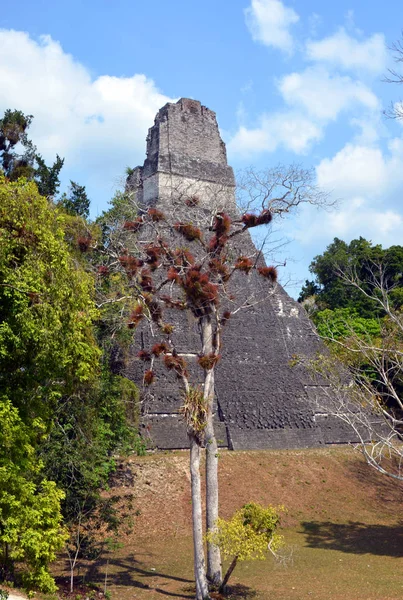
(262,401)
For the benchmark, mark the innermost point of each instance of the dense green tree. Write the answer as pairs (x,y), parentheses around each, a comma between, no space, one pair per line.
(89,426)
(47,351)
(28,163)
(362,261)
(310,288)
(46,305)
(74,412)
(13,131)
(47,178)
(76,201)
(30,517)
(341,323)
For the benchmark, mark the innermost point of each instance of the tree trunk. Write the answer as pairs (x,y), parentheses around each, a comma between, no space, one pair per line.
(228,574)
(71,580)
(214,572)
(197,521)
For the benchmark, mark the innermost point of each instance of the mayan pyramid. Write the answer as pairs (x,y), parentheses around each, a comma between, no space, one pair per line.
(261,400)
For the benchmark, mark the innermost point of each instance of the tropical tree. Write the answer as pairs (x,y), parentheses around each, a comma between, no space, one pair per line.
(29,164)
(166,276)
(47,178)
(30,515)
(359,256)
(76,201)
(47,350)
(47,306)
(55,358)
(341,323)
(13,131)
(249,535)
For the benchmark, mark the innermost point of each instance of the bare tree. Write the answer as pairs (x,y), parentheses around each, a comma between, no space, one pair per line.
(395,110)
(281,189)
(364,377)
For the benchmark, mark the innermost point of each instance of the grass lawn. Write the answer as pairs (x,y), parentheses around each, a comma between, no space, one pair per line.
(343,529)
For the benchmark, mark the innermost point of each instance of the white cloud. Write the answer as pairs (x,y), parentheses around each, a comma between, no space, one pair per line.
(317,95)
(289,130)
(251,141)
(98,125)
(363,170)
(323,95)
(342,50)
(355,218)
(368,182)
(295,132)
(315,98)
(269,22)
(355,169)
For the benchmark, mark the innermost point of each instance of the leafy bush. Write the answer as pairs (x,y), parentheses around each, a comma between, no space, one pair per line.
(31,532)
(249,535)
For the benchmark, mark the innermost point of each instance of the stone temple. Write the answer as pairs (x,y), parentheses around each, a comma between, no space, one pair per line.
(261,400)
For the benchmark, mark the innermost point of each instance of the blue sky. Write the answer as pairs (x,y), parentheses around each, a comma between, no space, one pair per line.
(293,81)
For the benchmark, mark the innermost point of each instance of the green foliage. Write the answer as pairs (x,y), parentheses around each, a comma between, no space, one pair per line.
(357,310)
(47,178)
(122,209)
(46,305)
(345,322)
(30,517)
(309,289)
(13,131)
(396,297)
(88,428)
(76,201)
(344,325)
(362,259)
(250,533)
(73,413)
(49,363)
(29,164)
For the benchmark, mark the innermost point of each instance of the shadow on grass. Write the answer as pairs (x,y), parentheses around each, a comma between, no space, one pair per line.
(355,537)
(240,592)
(130,573)
(233,592)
